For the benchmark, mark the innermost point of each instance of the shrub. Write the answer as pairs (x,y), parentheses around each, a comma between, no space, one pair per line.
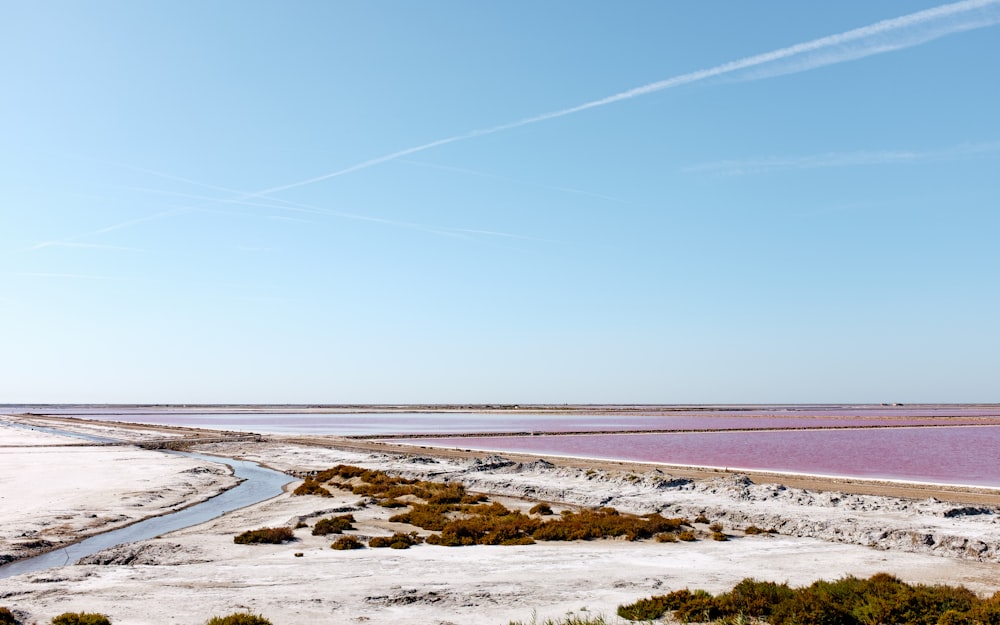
(701,518)
(603,523)
(392,503)
(347,542)
(881,599)
(312,487)
(239,618)
(543,509)
(396,541)
(7,617)
(687,536)
(715,527)
(268,535)
(753,598)
(719,536)
(80,618)
(666,537)
(333,525)
(752,530)
(699,608)
(654,607)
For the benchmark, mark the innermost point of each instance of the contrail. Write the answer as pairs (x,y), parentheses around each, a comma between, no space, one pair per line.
(844,159)
(884,36)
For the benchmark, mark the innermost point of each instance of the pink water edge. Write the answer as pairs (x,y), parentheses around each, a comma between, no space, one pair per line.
(967,455)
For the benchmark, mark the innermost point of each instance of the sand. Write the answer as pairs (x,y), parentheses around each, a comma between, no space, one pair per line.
(193,574)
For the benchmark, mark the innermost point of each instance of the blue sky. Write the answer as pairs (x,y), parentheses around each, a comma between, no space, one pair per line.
(559,202)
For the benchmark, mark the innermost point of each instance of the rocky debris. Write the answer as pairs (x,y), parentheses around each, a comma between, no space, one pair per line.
(966,511)
(146,553)
(407,596)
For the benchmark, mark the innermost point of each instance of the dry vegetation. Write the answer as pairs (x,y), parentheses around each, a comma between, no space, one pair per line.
(462,518)
(881,599)
(265,535)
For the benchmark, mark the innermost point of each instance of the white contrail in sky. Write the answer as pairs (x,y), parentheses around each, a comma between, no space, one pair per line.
(884,36)
(844,159)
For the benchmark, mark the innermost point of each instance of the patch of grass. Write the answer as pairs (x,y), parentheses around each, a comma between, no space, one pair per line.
(570,619)
(753,530)
(239,618)
(265,535)
(80,618)
(7,617)
(719,536)
(687,536)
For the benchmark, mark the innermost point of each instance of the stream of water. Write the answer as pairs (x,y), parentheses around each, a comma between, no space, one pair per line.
(258,485)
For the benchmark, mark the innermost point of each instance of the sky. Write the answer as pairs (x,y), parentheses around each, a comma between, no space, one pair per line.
(518,202)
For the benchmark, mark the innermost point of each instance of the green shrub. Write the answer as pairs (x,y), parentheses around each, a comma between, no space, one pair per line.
(80,618)
(880,600)
(7,617)
(269,535)
(239,618)
(333,525)
(701,607)
(654,607)
(347,542)
(753,598)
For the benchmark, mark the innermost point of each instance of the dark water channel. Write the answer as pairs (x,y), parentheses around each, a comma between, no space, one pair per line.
(258,485)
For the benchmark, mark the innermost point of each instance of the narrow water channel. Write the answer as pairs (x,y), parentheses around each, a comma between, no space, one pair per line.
(258,485)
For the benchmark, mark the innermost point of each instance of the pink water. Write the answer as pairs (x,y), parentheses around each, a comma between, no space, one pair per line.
(968,455)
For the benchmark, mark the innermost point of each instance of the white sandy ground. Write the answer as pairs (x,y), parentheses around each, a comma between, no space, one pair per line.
(53,490)
(188,576)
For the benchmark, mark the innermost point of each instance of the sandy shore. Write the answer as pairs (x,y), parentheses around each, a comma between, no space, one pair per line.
(191,575)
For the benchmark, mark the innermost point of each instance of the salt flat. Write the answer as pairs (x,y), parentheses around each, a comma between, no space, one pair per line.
(193,574)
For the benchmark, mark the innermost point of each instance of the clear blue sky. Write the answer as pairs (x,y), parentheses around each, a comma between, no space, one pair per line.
(467,202)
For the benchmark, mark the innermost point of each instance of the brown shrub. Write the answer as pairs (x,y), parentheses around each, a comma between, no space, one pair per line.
(80,618)
(312,487)
(333,525)
(541,508)
(268,535)
(396,541)
(347,542)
